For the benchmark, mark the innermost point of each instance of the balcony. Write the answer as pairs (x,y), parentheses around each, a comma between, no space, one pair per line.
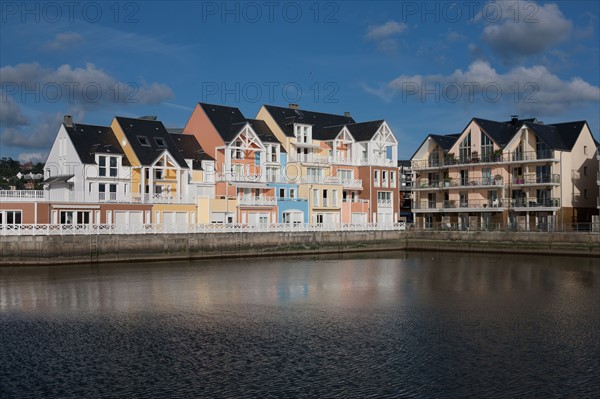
(291,199)
(534,180)
(492,159)
(251,200)
(522,204)
(384,203)
(21,195)
(240,177)
(425,184)
(465,205)
(156,199)
(351,183)
(320,180)
(311,159)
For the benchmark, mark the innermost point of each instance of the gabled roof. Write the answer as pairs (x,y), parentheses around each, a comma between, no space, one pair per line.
(223,118)
(568,132)
(501,132)
(364,131)
(286,117)
(190,149)
(445,141)
(151,129)
(89,140)
(263,131)
(330,132)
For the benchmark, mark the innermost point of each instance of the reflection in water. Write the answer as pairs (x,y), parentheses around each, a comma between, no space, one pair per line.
(396,324)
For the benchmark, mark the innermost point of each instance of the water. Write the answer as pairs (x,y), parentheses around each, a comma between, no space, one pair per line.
(378,325)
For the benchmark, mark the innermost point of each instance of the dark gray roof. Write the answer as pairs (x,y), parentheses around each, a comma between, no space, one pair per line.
(263,131)
(404,162)
(190,149)
(364,131)
(445,141)
(569,132)
(223,119)
(286,117)
(330,132)
(89,140)
(175,130)
(500,132)
(151,129)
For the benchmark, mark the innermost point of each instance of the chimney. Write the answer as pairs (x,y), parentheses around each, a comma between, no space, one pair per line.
(68,120)
(293,106)
(347,114)
(514,119)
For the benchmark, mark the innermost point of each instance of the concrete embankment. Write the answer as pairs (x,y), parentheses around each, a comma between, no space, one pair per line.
(55,249)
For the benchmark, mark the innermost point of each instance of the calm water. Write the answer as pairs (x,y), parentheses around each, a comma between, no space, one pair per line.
(386,325)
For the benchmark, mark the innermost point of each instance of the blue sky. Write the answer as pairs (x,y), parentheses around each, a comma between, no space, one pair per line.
(425,67)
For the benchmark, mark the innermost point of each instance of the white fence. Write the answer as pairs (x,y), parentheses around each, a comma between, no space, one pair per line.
(95,229)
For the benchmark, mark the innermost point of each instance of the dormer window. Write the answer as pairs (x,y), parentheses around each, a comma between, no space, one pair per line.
(160,142)
(303,134)
(144,142)
(107,166)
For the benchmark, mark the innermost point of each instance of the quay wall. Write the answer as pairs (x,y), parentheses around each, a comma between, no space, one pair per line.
(66,249)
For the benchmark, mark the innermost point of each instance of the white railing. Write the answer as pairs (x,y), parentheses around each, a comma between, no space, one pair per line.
(254,200)
(21,195)
(351,182)
(109,229)
(384,203)
(320,179)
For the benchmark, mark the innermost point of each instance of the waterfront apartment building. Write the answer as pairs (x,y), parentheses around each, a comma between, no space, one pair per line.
(522,174)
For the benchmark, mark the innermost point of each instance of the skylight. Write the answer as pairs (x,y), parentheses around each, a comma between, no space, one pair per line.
(160,142)
(143,141)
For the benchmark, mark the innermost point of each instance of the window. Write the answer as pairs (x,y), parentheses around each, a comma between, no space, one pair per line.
(74,217)
(144,141)
(585,170)
(102,165)
(320,218)
(542,151)
(10,217)
(487,147)
(316,197)
(105,162)
(464,149)
(292,193)
(160,142)
(113,166)
(334,198)
(325,198)
(376,178)
(585,150)
(282,193)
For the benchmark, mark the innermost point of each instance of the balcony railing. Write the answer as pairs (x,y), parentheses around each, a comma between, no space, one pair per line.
(290,199)
(158,199)
(508,157)
(21,195)
(351,183)
(320,180)
(535,179)
(250,200)
(384,203)
(479,204)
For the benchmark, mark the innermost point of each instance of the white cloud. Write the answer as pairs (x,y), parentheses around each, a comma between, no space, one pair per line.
(515,29)
(87,87)
(64,41)
(10,113)
(40,135)
(384,35)
(533,90)
(379,32)
(34,157)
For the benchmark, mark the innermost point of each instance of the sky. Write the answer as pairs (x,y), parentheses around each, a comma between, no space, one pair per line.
(423,66)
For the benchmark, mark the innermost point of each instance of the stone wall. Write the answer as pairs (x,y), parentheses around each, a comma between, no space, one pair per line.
(56,249)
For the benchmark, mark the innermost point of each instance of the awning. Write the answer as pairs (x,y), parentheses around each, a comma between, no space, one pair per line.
(59,179)
(249,185)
